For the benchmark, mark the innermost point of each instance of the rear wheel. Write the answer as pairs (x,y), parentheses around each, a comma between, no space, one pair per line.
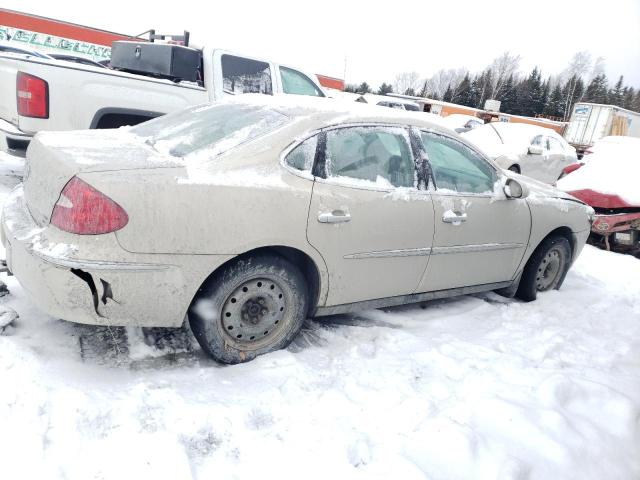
(546,268)
(254,306)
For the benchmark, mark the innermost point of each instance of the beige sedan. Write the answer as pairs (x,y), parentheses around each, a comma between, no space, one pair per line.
(248,216)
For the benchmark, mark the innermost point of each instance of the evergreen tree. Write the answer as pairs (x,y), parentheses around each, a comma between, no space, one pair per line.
(410,91)
(364,88)
(544,97)
(448,94)
(385,88)
(351,88)
(627,97)
(616,94)
(464,96)
(508,97)
(530,95)
(554,106)
(635,105)
(597,90)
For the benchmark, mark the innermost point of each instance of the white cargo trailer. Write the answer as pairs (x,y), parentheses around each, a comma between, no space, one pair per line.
(591,121)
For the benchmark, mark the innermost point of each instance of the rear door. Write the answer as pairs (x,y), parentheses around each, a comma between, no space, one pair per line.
(367,219)
(558,158)
(480,236)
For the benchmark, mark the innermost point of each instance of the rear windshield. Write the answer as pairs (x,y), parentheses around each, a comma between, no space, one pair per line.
(214,128)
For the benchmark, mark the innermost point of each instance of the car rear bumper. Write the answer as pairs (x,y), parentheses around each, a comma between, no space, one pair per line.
(122,290)
(17,140)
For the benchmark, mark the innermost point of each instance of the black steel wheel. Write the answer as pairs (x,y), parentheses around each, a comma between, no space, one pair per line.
(253,306)
(546,268)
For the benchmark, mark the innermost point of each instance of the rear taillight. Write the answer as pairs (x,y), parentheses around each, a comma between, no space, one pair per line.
(32,96)
(84,210)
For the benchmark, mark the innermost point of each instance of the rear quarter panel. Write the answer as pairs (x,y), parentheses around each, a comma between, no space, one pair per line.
(233,204)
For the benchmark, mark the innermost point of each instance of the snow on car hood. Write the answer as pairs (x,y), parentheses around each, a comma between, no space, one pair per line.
(613,169)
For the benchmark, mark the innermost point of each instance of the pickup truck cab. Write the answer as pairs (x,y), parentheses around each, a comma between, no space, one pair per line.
(47,94)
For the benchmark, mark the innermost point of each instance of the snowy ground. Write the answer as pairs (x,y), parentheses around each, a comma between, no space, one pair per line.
(474,387)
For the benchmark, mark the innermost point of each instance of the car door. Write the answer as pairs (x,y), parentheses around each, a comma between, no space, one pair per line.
(558,158)
(480,235)
(535,160)
(369,222)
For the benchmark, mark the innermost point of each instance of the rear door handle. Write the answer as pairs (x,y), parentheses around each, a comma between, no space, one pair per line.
(452,217)
(337,216)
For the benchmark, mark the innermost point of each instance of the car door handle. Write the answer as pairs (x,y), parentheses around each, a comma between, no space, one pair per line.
(337,216)
(452,217)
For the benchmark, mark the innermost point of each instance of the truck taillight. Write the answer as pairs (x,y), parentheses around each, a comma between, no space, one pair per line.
(32,96)
(84,210)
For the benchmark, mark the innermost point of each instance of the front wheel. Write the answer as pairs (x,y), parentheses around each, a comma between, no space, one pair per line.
(253,306)
(546,268)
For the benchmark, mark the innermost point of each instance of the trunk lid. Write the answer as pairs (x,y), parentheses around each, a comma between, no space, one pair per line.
(54,158)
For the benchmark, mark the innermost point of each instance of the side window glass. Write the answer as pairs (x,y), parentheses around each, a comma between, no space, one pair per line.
(296,83)
(539,140)
(555,145)
(375,155)
(242,75)
(301,158)
(457,167)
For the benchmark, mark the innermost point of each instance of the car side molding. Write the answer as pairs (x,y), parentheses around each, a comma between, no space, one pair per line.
(408,299)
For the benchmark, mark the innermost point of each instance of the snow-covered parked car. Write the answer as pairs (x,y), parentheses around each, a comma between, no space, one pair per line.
(249,215)
(530,150)
(607,179)
(462,123)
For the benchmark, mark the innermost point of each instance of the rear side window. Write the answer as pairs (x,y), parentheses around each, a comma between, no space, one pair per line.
(296,83)
(215,128)
(379,155)
(243,75)
(555,145)
(456,167)
(301,158)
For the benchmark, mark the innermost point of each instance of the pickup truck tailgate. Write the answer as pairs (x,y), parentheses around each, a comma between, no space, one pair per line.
(54,158)
(8,105)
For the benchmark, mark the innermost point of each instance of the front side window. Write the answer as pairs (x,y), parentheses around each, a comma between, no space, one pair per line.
(455,166)
(380,156)
(301,157)
(296,83)
(243,75)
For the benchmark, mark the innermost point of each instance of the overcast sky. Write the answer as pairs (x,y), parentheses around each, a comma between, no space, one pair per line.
(382,39)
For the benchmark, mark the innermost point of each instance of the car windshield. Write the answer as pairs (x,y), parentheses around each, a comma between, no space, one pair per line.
(214,128)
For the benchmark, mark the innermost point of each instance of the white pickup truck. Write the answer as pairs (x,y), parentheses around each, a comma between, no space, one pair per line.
(43,94)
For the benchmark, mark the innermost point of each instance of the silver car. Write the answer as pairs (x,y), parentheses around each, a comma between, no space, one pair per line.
(534,151)
(248,216)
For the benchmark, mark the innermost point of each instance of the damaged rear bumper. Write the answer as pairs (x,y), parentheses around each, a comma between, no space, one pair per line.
(122,290)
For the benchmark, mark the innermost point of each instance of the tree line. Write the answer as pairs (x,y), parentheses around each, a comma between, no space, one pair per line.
(553,97)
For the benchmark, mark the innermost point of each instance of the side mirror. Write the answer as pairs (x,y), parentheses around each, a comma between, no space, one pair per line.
(536,149)
(514,189)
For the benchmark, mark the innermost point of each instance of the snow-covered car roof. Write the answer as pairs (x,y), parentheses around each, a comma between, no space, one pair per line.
(613,168)
(323,111)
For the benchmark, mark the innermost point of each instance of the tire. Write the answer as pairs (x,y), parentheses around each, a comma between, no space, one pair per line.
(514,168)
(253,306)
(546,269)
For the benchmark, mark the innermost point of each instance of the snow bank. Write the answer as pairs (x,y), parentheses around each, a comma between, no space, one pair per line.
(613,168)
